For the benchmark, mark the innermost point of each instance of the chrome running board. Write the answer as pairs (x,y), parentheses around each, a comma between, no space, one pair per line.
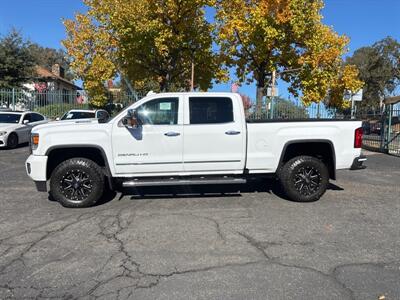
(180,181)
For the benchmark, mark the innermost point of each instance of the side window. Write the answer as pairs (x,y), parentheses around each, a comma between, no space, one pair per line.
(162,111)
(210,110)
(28,118)
(37,118)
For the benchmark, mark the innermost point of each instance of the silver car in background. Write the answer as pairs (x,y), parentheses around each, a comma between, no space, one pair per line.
(16,126)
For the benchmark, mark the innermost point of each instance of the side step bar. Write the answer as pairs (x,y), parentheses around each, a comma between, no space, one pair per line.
(186,181)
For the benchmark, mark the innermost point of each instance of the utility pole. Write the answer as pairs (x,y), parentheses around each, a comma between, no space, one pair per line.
(193,50)
(352,107)
(192,80)
(274,76)
(273,83)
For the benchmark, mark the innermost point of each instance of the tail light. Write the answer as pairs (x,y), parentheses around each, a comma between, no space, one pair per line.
(358,138)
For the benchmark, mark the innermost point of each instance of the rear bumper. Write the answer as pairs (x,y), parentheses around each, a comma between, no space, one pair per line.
(358,163)
(36,167)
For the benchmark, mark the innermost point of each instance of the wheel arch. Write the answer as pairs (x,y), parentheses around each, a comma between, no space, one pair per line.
(322,148)
(58,154)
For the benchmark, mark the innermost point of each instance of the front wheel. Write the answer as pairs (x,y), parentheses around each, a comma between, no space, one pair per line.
(77,182)
(304,178)
(12,141)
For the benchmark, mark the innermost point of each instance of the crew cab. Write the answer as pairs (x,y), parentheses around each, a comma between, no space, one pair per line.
(189,139)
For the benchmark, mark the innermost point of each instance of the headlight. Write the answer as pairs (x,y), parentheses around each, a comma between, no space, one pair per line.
(34,141)
(3,133)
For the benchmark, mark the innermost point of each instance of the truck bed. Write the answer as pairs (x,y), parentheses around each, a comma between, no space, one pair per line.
(267,140)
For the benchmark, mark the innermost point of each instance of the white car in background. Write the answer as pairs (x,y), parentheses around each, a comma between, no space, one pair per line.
(15,127)
(78,114)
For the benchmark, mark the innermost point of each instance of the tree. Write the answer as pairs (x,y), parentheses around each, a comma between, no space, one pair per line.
(16,62)
(144,41)
(47,57)
(379,67)
(92,49)
(258,37)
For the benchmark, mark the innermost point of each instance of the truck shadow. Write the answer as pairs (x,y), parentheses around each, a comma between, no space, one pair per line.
(270,186)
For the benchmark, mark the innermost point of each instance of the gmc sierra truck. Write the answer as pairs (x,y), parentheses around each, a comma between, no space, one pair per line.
(189,139)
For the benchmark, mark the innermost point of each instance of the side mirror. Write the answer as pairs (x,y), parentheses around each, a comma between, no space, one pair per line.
(25,122)
(58,119)
(131,120)
(103,118)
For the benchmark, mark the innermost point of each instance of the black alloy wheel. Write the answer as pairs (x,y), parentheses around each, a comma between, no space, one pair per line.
(304,178)
(76,185)
(307,180)
(77,182)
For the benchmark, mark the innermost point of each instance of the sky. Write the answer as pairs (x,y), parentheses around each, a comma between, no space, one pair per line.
(363,21)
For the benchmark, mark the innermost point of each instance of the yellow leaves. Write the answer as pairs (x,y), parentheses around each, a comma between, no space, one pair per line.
(259,36)
(156,40)
(350,79)
(90,48)
(347,80)
(145,40)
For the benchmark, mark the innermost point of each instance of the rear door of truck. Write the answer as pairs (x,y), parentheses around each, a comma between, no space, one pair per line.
(214,135)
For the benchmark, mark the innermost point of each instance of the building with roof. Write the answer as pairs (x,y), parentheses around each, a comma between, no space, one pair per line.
(45,80)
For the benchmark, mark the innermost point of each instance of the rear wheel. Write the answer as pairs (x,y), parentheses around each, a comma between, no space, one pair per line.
(12,141)
(304,178)
(77,182)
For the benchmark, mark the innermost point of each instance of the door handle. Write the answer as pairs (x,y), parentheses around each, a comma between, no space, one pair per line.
(172,133)
(232,132)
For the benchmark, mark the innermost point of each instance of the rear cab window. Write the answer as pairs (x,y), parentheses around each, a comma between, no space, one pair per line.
(210,110)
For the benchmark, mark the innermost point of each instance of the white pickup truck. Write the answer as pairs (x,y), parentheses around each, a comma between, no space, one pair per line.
(189,139)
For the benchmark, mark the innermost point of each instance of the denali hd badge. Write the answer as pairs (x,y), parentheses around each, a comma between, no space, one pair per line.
(133,154)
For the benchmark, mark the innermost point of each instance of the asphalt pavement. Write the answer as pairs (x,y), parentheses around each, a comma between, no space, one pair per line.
(191,243)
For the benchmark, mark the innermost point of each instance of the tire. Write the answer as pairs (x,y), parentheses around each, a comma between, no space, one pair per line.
(12,141)
(77,182)
(304,179)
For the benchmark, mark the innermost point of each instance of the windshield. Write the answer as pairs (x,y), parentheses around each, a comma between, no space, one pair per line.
(10,118)
(73,115)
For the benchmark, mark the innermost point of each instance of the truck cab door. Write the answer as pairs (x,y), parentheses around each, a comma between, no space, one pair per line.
(215,135)
(154,148)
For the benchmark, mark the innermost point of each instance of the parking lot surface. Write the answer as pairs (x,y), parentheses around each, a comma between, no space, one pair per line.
(227,245)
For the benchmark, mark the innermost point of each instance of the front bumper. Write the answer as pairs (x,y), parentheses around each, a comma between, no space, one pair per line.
(358,163)
(36,168)
(3,141)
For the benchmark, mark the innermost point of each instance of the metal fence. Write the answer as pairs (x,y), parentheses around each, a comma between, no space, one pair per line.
(287,110)
(54,104)
(381,128)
